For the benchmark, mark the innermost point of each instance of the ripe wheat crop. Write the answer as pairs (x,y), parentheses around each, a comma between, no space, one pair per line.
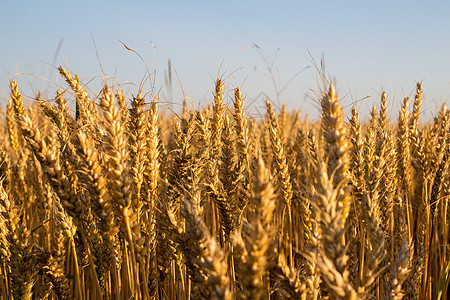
(122,200)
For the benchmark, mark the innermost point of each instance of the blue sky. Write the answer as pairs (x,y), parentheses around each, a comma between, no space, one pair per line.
(367,46)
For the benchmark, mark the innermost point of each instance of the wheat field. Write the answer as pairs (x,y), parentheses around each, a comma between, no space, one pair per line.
(122,200)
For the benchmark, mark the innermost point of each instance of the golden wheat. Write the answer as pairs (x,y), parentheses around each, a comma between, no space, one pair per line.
(111,202)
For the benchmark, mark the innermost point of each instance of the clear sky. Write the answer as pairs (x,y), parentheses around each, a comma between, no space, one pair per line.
(368,46)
